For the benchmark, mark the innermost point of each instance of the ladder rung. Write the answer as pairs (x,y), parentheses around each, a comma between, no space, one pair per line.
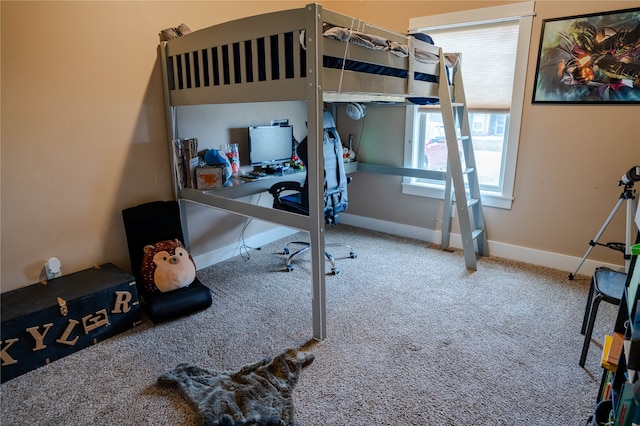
(468,170)
(454,104)
(472,201)
(476,233)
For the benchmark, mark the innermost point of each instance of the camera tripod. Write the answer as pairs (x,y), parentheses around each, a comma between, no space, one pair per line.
(627,196)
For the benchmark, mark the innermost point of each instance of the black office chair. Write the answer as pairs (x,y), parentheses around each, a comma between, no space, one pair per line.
(150,223)
(335,191)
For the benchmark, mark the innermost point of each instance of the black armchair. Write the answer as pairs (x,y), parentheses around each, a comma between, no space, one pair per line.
(293,197)
(150,223)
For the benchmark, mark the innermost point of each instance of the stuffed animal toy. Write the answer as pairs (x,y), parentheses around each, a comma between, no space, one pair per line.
(167,266)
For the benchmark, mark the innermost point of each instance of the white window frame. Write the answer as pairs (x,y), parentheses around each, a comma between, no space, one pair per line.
(524,12)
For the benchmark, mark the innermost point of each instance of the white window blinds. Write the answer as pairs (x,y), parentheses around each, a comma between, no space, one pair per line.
(488,61)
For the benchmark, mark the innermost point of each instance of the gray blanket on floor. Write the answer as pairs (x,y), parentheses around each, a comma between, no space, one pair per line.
(257,394)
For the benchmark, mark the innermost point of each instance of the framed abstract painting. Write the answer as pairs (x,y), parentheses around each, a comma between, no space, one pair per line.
(592,58)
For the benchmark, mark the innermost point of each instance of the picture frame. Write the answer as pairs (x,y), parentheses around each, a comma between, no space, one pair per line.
(589,59)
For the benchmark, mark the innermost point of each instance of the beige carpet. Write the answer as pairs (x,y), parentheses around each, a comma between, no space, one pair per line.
(413,339)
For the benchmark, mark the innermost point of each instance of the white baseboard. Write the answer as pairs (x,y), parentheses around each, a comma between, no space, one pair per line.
(497,249)
(223,253)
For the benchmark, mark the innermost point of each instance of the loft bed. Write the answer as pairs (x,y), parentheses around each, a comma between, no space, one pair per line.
(309,54)
(271,56)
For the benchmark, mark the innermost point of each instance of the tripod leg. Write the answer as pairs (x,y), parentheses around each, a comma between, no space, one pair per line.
(593,242)
(630,227)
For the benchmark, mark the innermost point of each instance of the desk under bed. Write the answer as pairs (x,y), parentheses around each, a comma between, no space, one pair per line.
(298,55)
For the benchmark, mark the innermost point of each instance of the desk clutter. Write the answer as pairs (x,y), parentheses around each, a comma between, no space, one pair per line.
(272,151)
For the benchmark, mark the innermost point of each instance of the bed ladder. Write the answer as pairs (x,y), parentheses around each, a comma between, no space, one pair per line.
(461,184)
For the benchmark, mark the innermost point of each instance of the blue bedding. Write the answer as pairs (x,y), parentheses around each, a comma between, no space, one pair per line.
(231,54)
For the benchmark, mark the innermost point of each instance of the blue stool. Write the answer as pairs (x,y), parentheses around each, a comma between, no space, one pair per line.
(607,285)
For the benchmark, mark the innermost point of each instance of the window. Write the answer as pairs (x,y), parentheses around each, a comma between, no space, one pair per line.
(494,43)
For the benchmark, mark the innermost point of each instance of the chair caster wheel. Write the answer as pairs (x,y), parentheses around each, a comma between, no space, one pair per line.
(353,255)
(289,268)
(285,251)
(335,271)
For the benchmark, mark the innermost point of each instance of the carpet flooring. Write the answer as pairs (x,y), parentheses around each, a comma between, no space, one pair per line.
(413,338)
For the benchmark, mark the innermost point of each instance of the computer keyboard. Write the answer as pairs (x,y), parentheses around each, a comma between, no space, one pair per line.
(253,176)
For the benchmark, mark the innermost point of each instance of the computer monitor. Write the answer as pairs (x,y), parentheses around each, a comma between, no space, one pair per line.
(270,145)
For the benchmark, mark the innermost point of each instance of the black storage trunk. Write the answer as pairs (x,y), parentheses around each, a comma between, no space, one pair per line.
(45,322)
